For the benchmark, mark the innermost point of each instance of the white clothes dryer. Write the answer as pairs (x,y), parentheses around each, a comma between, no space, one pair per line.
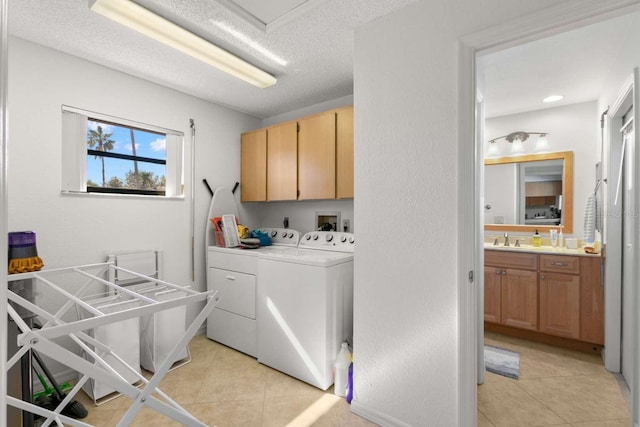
(305,306)
(232,272)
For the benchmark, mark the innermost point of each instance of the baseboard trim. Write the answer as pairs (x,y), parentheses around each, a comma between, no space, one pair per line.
(375,416)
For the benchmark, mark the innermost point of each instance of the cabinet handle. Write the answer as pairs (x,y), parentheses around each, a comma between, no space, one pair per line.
(504,272)
(498,271)
(560,264)
(230,277)
(542,277)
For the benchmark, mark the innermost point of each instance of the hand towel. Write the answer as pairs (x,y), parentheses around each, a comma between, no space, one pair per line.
(590,218)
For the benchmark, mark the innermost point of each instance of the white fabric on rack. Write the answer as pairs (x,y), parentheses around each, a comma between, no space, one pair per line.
(590,218)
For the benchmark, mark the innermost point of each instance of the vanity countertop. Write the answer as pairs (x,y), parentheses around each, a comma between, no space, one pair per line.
(539,250)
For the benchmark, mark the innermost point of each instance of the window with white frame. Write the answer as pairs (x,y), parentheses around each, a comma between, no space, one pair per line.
(104,154)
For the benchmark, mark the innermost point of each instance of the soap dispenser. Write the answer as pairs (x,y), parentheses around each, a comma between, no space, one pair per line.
(537,239)
(561,238)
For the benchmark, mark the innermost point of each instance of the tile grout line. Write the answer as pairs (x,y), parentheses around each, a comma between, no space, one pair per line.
(543,404)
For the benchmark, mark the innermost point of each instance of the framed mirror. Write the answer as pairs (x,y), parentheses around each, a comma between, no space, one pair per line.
(530,192)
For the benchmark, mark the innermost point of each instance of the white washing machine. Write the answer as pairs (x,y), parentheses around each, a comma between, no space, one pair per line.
(305,306)
(232,272)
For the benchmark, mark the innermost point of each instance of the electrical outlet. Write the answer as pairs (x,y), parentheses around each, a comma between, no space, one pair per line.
(498,219)
(345,225)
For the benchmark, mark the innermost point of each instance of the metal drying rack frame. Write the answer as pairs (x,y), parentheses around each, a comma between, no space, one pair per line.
(99,369)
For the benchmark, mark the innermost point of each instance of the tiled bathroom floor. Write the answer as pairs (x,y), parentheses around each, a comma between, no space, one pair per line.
(557,387)
(226,388)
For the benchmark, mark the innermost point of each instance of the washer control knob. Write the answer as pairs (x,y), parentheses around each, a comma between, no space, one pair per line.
(291,235)
(274,233)
(329,237)
(315,237)
(308,236)
(343,239)
(351,239)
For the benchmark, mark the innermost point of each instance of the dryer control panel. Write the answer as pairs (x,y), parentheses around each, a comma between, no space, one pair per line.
(329,241)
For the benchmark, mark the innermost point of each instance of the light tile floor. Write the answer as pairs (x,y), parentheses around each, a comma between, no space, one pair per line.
(225,388)
(557,387)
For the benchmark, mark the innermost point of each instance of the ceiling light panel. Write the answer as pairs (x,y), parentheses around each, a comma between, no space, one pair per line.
(148,23)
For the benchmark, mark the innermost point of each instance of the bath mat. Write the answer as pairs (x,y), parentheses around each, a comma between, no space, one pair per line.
(502,361)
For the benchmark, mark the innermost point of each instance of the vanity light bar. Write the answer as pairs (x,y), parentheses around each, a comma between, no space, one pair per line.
(518,136)
(148,23)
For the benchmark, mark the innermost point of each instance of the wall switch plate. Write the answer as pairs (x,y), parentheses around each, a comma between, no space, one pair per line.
(346,225)
(498,219)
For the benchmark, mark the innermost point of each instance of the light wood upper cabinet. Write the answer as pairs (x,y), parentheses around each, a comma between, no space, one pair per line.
(282,158)
(253,166)
(317,157)
(344,153)
(544,188)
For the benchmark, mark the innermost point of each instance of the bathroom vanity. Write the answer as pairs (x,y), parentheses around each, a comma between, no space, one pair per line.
(550,295)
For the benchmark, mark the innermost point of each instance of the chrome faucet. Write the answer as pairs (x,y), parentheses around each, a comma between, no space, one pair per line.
(506,239)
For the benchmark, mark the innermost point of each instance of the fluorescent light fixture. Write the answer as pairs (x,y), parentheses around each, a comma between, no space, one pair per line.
(148,23)
(249,42)
(553,98)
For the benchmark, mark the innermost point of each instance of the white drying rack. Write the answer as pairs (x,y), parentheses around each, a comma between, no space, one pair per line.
(98,369)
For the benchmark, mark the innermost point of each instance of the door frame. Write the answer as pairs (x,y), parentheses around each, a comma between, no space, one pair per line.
(547,22)
(613,233)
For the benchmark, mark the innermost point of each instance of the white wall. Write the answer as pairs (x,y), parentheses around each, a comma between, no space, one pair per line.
(74,230)
(570,128)
(406,336)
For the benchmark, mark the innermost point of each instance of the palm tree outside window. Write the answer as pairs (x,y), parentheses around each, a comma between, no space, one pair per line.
(123,159)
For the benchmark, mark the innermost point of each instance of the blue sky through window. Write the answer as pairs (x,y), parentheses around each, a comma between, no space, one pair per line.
(148,144)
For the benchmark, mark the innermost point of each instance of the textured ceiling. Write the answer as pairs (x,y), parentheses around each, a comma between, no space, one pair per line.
(317,47)
(580,64)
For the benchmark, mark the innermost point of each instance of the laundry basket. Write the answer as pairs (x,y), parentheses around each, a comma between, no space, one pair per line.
(159,332)
(124,340)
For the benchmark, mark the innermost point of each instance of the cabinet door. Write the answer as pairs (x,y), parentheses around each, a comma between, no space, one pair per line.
(253,166)
(560,304)
(591,301)
(344,153)
(282,159)
(520,298)
(317,157)
(492,297)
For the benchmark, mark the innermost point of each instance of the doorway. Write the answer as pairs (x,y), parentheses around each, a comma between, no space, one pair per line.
(629,232)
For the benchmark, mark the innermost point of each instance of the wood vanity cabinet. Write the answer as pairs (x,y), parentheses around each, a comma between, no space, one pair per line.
(517,291)
(558,295)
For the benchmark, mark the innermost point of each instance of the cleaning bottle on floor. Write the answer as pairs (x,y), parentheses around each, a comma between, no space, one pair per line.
(341,367)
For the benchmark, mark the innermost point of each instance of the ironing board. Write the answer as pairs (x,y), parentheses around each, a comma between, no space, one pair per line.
(97,369)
